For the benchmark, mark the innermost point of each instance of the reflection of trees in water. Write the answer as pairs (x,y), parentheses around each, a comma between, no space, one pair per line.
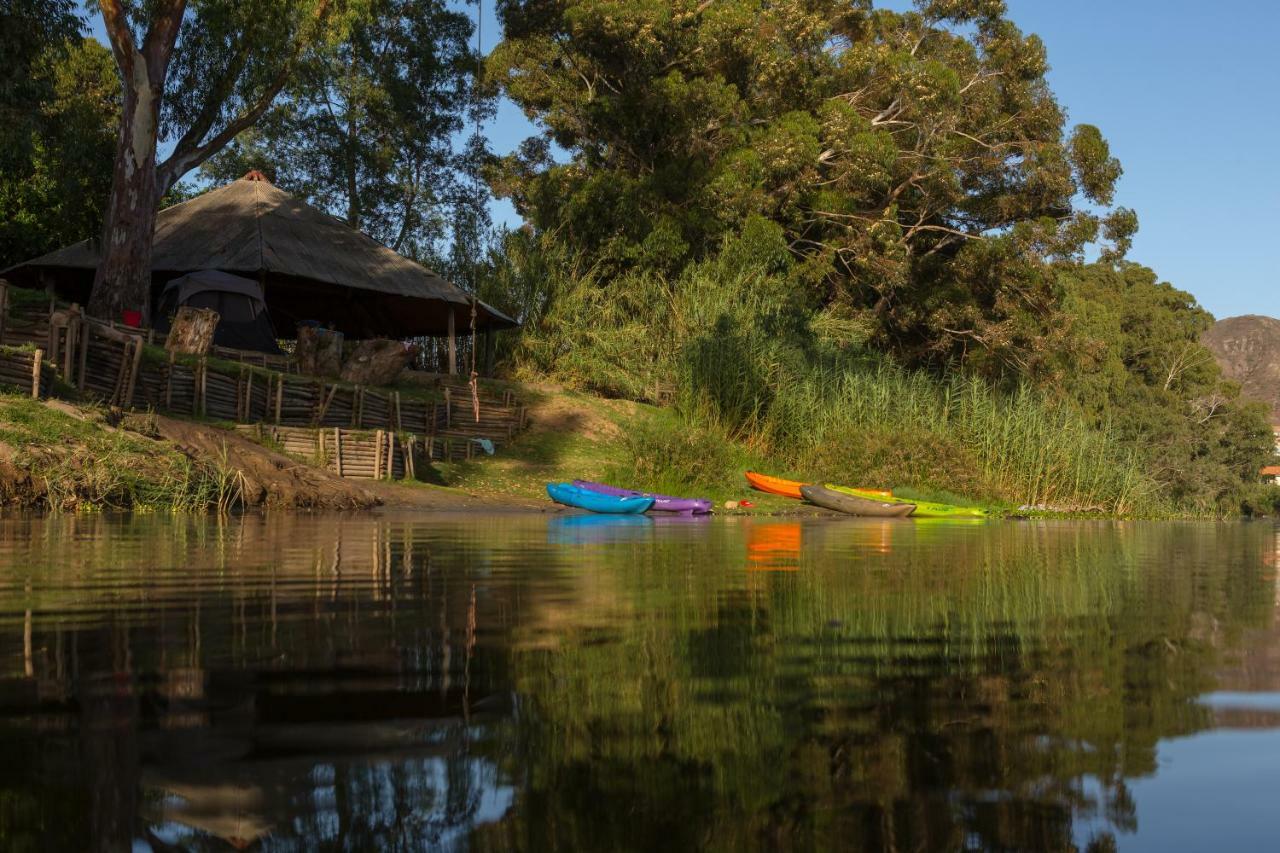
(305,678)
(944,690)
(351,682)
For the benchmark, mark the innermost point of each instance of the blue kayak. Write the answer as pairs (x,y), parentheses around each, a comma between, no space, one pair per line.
(570,495)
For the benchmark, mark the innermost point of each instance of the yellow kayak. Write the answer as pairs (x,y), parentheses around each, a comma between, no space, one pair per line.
(924,509)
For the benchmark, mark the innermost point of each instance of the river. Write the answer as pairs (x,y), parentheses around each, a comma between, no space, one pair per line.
(530,682)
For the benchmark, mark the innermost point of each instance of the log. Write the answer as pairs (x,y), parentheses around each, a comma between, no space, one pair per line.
(377,361)
(319,351)
(192,331)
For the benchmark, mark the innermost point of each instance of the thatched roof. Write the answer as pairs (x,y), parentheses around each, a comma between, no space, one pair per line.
(312,265)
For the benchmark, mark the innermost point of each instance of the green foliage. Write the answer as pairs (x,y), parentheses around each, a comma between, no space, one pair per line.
(31,31)
(54,193)
(364,128)
(752,364)
(916,163)
(1137,363)
(774,208)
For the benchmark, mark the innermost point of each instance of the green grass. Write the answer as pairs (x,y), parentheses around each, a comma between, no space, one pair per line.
(86,463)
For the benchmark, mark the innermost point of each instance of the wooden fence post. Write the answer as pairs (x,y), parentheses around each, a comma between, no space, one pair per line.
(168,385)
(133,372)
(35,374)
(204,372)
(337,447)
(279,397)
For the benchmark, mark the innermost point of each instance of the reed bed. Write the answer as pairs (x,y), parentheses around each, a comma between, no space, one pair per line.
(753,362)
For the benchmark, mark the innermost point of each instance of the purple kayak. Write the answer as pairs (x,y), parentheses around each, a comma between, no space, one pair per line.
(661,503)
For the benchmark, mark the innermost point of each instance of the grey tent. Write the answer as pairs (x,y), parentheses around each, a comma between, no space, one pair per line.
(243,320)
(312,266)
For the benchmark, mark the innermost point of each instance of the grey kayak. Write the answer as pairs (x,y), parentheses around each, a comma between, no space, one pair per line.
(848,504)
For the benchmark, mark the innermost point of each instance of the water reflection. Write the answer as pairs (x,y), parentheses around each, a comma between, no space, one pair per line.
(518,682)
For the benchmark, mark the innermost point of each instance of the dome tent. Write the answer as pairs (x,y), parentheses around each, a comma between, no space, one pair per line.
(243,320)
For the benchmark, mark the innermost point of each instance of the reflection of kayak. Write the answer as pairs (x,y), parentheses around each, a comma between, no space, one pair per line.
(596,529)
(570,495)
(924,509)
(661,503)
(774,547)
(774,485)
(853,505)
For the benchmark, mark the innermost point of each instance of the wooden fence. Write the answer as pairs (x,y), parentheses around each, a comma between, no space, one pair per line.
(24,368)
(118,366)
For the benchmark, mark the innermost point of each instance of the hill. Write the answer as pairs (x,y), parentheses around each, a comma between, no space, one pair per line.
(1248,350)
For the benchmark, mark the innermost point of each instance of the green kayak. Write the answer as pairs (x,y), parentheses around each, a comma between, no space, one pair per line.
(924,509)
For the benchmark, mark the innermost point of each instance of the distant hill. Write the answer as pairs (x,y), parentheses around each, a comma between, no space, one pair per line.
(1248,350)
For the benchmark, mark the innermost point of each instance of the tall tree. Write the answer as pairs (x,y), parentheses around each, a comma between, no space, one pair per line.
(917,161)
(366,126)
(1138,365)
(54,192)
(196,73)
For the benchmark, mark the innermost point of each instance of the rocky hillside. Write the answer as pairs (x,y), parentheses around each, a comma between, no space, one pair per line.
(1248,349)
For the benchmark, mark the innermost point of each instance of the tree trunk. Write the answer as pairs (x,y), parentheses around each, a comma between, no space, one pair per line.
(123,280)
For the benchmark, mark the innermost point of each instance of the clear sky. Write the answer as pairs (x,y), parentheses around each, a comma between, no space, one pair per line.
(1186,93)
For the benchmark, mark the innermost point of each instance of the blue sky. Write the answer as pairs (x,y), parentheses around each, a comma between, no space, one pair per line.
(1185,92)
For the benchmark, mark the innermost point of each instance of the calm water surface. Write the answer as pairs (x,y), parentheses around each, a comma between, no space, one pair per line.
(583,683)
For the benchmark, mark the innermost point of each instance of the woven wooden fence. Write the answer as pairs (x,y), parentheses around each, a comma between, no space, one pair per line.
(26,370)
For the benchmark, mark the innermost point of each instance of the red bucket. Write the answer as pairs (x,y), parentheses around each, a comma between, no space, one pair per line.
(133,319)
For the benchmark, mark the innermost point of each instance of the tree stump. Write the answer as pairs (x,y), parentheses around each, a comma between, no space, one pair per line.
(319,351)
(377,361)
(192,331)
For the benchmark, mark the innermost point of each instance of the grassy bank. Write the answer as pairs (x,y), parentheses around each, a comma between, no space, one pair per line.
(576,434)
(756,377)
(62,457)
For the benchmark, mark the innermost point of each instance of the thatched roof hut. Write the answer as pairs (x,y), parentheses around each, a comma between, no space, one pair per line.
(312,266)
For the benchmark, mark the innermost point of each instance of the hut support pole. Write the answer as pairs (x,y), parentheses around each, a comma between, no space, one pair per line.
(489,340)
(453,345)
(85,331)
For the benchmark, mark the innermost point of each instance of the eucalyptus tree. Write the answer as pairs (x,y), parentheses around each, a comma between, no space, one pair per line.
(194,73)
(918,162)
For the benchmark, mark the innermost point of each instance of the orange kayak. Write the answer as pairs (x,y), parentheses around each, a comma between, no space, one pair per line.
(775,485)
(790,488)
